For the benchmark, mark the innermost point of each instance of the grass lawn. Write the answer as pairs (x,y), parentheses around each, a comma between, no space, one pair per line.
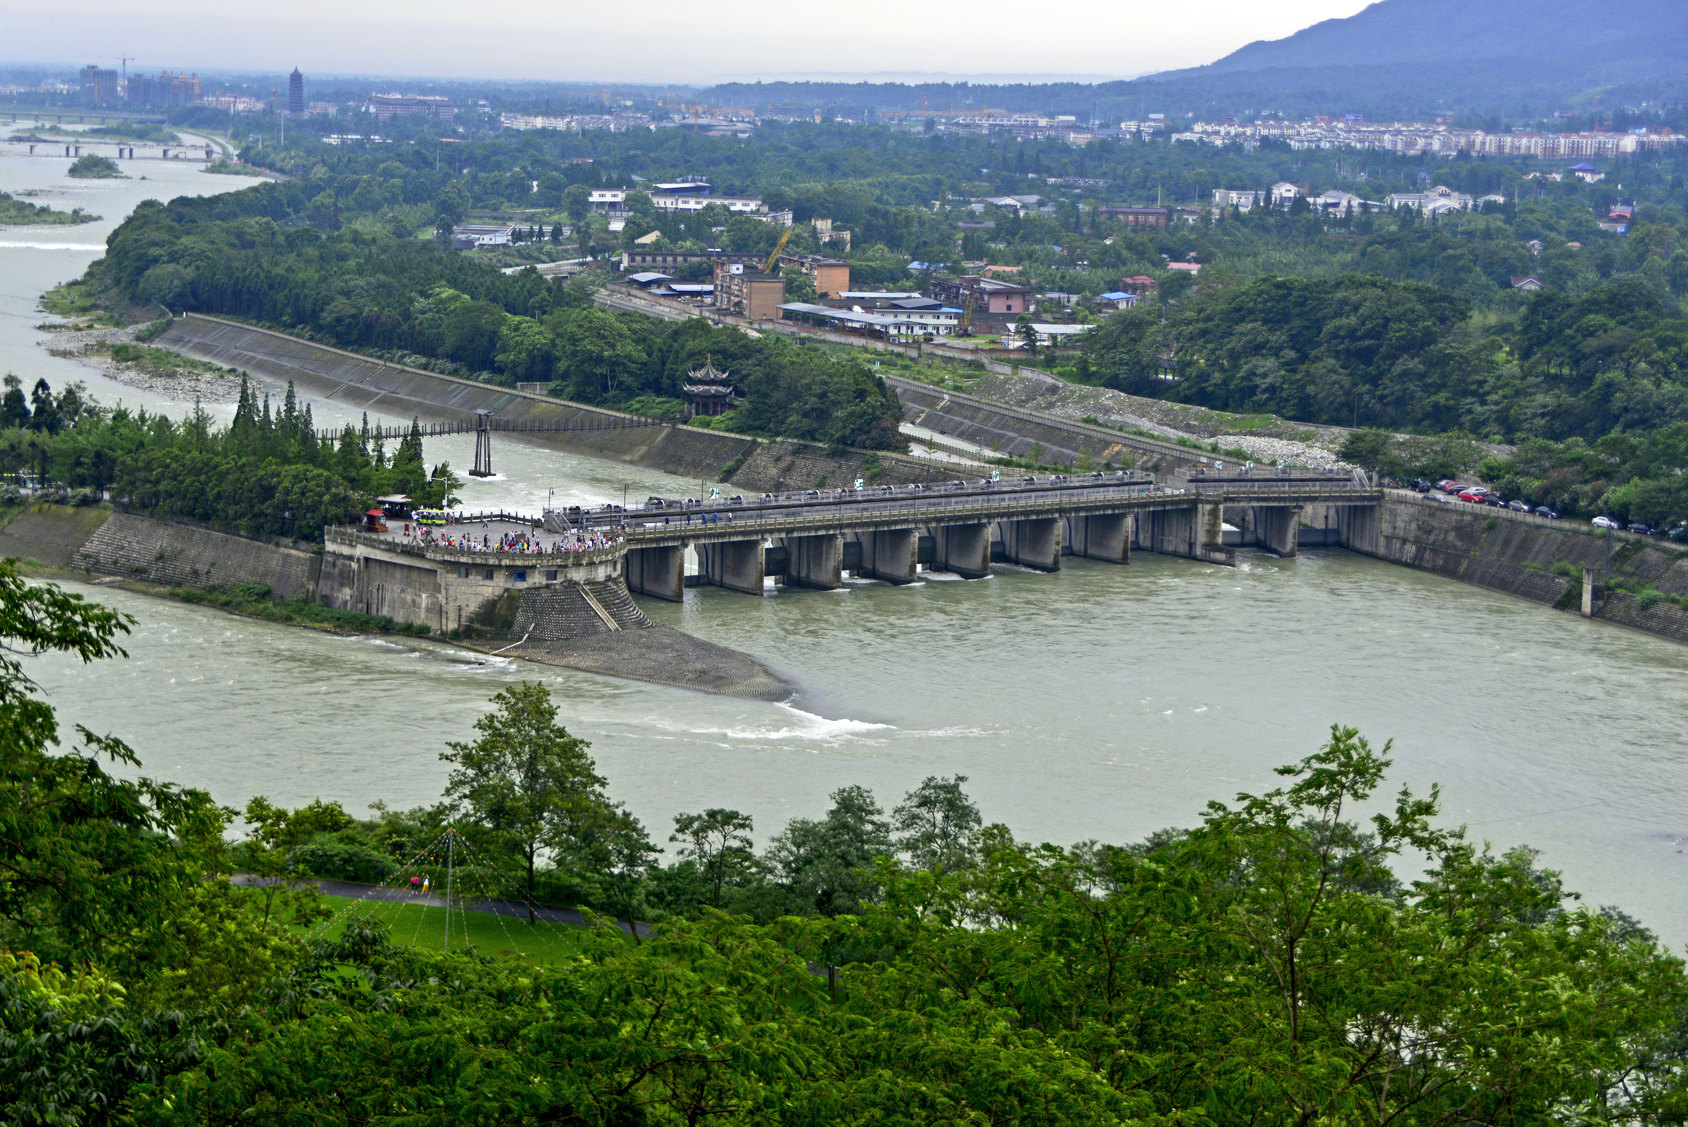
(498,936)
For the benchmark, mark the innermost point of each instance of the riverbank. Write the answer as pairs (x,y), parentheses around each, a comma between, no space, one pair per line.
(117,355)
(660,655)
(281,582)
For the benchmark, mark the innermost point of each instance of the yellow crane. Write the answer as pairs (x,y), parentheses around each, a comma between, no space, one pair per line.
(965,329)
(768,267)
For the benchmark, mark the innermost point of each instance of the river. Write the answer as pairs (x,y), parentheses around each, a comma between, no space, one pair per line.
(1099,702)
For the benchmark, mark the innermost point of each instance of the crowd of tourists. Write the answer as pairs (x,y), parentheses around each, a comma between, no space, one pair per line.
(516,543)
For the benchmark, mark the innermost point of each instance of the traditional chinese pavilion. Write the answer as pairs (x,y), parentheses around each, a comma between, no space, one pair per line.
(707,391)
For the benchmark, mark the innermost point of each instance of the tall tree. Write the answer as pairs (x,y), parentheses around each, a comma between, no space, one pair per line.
(526,781)
(718,842)
(938,825)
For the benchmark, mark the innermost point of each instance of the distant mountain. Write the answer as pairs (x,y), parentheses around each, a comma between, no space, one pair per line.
(1463,53)
(1438,32)
(1396,59)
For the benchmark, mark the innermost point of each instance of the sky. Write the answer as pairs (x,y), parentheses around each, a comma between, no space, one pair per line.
(652,41)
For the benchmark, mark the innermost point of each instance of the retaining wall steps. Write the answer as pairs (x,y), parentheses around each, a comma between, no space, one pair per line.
(564,612)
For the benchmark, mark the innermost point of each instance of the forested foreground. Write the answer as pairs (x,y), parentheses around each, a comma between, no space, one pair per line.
(1267,965)
(267,473)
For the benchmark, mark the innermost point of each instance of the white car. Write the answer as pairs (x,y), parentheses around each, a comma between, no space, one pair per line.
(1608,522)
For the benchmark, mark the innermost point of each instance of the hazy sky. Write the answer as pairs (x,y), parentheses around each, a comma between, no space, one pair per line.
(654,41)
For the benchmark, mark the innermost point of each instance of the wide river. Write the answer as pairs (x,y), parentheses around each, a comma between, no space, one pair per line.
(1099,702)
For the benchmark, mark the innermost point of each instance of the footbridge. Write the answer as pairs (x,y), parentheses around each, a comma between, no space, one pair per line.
(811,539)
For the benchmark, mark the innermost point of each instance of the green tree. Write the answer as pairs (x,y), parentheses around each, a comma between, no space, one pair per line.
(938,825)
(828,864)
(525,781)
(718,842)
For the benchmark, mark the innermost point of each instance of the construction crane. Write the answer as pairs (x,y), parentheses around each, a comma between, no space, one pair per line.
(768,267)
(965,329)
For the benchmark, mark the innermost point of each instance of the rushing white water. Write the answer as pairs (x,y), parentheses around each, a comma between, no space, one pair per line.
(1098,702)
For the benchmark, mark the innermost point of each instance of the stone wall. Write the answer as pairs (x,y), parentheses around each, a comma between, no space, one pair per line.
(1514,553)
(51,534)
(186,555)
(362,383)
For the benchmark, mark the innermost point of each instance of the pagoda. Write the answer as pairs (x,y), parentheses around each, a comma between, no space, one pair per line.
(707,393)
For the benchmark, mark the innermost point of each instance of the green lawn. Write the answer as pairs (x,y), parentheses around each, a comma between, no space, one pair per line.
(500,936)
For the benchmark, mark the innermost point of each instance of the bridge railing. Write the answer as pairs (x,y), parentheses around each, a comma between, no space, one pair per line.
(478,557)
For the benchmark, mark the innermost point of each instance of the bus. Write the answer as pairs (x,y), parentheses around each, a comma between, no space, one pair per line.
(428,516)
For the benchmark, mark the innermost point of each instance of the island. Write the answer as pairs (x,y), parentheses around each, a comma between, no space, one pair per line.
(91,167)
(21,213)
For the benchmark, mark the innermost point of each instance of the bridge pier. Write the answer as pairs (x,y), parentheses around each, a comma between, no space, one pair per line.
(889,554)
(1277,528)
(657,572)
(1194,532)
(1359,527)
(964,549)
(1106,536)
(1032,543)
(813,561)
(737,565)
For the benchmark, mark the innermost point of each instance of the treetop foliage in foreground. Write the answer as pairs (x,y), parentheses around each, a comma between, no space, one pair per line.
(1267,965)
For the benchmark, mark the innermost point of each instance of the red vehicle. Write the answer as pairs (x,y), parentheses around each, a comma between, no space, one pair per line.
(1476,494)
(1448,485)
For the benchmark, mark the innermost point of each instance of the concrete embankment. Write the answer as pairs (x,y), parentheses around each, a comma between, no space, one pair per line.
(362,383)
(1032,435)
(595,626)
(1517,554)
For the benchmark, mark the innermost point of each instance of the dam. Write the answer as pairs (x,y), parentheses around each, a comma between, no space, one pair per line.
(500,570)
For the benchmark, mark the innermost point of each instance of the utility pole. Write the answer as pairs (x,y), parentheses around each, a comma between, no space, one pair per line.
(450,856)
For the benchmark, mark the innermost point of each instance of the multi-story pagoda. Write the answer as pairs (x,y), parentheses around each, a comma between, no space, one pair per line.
(707,391)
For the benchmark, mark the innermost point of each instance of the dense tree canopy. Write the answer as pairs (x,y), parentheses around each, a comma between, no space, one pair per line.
(267,473)
(1281,961)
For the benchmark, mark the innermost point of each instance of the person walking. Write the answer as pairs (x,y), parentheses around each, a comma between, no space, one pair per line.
(425,882)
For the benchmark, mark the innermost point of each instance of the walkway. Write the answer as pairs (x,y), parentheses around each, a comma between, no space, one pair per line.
(571,917)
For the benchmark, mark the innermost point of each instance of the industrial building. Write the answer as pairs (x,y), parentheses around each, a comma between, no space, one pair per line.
(748,293)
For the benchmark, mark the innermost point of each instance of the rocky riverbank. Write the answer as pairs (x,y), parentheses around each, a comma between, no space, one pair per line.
(178,378)
(660,654)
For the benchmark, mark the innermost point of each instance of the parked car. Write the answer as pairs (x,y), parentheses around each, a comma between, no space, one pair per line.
(1495,500)
(1474,494)
(1518,506)
(1641,528)
(1419,485)
(1544,511)
(1608,522)
(1679,533)
(1442,497)
(1448,485)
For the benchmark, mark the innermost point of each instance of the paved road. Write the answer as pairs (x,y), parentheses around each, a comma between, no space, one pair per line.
(571,917)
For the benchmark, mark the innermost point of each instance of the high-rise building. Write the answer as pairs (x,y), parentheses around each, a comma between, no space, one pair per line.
(296,93)
(99,86)
(165,89)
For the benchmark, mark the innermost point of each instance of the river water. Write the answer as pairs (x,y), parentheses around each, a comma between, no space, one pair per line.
(1099,702)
